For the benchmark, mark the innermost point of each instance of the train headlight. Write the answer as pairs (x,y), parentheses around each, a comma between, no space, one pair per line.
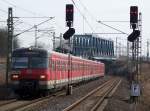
(15,76)
(42,76)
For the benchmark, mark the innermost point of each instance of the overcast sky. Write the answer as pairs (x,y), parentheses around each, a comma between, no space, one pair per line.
(93,11)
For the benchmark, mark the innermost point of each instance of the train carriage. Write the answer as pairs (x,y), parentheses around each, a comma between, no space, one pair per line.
(37,70)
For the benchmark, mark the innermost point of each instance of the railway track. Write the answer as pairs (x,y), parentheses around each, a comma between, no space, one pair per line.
(20,105)
(96,100)
(23,105)
(7,102)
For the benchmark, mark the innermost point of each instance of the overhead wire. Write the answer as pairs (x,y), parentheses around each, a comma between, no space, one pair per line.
(83,16)
(23,9)
(87,10)
(103,21)
(112,28)
(33,27)
(3,11)
(26,10)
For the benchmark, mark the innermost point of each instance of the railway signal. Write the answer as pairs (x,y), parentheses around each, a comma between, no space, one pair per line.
(133,14)
(69,12)
(134,35)
(69,15)
(68,33)
(69,21)
(133,17)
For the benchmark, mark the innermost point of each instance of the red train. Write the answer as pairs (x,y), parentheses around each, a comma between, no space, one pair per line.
(37,70)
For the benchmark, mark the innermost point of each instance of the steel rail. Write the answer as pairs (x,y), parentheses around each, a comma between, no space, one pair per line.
(7,102)
(24,104)
(107,94)
(86,96)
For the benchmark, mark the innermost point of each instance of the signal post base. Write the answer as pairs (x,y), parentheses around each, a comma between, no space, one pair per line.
(69,90)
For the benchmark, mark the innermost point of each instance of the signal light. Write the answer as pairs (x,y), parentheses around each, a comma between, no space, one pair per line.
(68,33)
(15,77)
(134,35)
(42,76)
(133,14)
(69,12)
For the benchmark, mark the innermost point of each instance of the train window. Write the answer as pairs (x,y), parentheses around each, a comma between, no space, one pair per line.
(38,62)
(50,64)
(64,66)
(61,65)
(19,62)
(53,65)
(73,66)
(58,65)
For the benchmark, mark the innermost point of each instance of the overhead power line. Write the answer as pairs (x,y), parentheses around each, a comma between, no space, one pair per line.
(83,16)
(23,9)
(32,17)
(108,33)
(115,21)
(104,21)
(33,27)
(112,28)
(3,11)
(87,10)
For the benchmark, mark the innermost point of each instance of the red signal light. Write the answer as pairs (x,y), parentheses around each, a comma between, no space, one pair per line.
(69,12)
(133,14)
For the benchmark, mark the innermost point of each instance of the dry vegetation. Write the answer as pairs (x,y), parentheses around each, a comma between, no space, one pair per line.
(2,70)
(145,78)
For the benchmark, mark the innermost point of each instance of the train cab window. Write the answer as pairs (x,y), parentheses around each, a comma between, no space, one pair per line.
(61,65)
(57,65)
(38,62)
(53,65)
(19,62)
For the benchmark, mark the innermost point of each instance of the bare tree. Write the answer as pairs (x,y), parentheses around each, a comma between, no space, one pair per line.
(16,43)
(3,42)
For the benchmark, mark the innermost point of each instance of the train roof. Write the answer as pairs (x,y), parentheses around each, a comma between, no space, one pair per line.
(48,53)
(27,51)
(29,48)
(75,57)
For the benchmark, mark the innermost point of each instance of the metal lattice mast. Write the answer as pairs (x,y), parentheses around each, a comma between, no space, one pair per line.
(9,41)
(140,42)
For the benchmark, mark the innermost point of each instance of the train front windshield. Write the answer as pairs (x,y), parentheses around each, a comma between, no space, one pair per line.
(21,60)
(29,62)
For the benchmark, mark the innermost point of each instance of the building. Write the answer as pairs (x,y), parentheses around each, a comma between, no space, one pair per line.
(89,46)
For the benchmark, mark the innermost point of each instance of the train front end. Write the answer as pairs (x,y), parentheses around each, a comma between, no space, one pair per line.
(30,67)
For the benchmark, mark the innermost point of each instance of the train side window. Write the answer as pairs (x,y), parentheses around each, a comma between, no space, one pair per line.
(58,65)
(53,65)
(50,63)
(62,66)
(65,65)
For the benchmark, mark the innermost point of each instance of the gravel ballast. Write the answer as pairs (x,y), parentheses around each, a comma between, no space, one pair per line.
(60,103)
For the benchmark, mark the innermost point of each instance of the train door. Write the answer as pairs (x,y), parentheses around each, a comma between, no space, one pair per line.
(60,72)
(65,71)
(53,74)
(83,71)
(57,72)
(55,77)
